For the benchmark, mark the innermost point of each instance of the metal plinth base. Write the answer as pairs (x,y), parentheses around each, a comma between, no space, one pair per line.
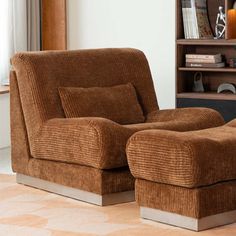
(188,222)
(100,200)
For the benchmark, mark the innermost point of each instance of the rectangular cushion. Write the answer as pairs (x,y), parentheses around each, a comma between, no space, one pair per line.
(118,103)
(187,159)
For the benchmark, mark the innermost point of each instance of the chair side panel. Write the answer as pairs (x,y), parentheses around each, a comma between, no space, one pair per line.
(20,152)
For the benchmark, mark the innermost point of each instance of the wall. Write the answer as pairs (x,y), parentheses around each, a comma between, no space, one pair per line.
(148,25)
(5,121)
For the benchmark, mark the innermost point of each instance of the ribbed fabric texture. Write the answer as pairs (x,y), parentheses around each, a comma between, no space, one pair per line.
(186,119)
(82,177)
(188,159)
(20,153)
(196,203)
(118,103)
(95,142)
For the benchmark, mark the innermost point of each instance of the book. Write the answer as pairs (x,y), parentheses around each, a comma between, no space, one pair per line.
(204,27)
(205,65)
(195,19)
(203,56)
(189,19)
(196,60)
(185,18)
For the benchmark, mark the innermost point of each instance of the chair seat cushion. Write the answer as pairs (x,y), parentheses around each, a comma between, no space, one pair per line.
(188,159)
(181,119)
(186,119)
(118,103)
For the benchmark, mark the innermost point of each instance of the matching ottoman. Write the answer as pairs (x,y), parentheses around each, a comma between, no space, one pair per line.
(185,179)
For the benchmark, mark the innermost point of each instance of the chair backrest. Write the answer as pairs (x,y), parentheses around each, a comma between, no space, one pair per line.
(39,74)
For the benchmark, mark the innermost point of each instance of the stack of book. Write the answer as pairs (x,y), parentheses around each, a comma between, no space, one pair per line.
(204,61)
(195,19)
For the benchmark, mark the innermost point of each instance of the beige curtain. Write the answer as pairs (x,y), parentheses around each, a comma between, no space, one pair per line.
(20,31)
(33,25)
(26,25)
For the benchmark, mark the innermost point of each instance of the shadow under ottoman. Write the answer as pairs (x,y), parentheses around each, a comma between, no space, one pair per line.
(185,179)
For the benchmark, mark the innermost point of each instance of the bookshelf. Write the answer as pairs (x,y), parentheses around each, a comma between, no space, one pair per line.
(212,77)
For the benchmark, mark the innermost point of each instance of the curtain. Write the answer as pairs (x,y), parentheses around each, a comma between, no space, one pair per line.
(6,39)
(19,30)
(33,25)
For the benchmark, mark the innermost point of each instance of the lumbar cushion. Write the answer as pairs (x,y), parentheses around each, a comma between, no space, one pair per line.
(118,103)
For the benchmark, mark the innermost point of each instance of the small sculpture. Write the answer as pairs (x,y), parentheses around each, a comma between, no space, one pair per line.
(220,24)
(197,82)
(226,87)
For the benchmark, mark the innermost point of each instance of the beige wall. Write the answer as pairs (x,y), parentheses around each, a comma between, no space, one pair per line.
(148,25)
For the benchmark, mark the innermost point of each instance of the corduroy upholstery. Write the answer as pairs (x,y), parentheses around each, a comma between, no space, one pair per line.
(82,177)
(189,173)
(188,159)
(196,203)
(118,103)
(41,134)
(95,142)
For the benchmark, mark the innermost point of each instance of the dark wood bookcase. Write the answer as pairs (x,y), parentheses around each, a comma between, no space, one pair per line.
(212,77)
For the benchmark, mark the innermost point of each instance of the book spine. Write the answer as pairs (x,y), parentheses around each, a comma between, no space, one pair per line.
(202,19)
(217,60)
(188,12)
(184,19)
(205,65)
(195,24)
(204,57)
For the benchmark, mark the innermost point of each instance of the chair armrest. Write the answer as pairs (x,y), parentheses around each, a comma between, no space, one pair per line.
(95,142)
(188,118)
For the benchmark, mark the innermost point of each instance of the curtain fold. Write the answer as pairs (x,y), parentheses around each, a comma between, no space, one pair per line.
(6,39)
(33,25)
(20,31)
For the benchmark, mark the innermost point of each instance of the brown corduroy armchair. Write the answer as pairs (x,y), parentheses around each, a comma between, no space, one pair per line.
(83,156)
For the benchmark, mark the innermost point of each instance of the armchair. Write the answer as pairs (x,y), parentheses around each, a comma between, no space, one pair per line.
(84,157)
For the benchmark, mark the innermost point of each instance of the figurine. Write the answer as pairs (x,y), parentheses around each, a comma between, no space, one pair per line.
(197,82)
(220,24)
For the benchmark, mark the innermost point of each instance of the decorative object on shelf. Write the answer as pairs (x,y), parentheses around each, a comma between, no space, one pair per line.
(226,87)
(195,19)
(220,24)
(232,62)
(197,82)
(232,22)
(204,61)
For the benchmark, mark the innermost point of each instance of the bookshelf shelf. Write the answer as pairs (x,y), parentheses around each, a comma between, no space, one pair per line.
(217,42)
(207,95)
(212,77)
(225,70)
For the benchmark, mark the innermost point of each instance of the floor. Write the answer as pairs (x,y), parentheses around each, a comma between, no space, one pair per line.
(29,211)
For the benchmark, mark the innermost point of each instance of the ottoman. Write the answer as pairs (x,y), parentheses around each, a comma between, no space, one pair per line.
(185,179)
